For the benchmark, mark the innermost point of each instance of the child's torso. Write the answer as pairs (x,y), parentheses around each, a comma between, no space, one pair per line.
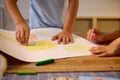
(46,13)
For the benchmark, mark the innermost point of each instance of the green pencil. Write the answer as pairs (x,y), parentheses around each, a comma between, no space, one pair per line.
(48,61)
(26,73)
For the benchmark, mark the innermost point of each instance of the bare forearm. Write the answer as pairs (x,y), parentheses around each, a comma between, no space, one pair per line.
(112,36)
(71,15)
(14,12)
(117,42)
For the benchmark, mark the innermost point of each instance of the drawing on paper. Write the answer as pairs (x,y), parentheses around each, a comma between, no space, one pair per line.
(40,45)
(77,47)
(8,36)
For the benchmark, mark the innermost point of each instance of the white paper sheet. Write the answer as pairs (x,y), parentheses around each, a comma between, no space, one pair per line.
(41,47)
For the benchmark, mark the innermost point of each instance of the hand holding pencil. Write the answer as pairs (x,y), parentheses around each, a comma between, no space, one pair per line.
(91,34)
(95,35)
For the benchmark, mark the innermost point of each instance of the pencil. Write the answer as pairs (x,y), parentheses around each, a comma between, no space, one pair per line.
(48,61)
(26,72)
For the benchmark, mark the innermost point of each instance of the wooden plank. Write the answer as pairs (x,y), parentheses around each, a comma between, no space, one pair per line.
(98,17)
(75,64)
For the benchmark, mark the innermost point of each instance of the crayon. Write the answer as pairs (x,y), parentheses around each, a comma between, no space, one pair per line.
(26,73)
(45,62)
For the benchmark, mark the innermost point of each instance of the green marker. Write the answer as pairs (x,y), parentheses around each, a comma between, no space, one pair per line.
(45,62)
(26,72)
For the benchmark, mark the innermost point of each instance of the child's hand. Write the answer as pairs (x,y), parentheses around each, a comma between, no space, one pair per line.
(112,49)
(22,33)
(95,35)
(63,37)
(101,51)
(91,34)
(105,51)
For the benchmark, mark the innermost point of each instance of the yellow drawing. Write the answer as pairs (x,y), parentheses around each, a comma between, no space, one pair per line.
(41,45)
(77,47)
(8,37)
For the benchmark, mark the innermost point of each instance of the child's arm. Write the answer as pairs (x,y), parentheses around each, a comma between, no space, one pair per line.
(112,36)
(66,35)
(71,15)
(22,29)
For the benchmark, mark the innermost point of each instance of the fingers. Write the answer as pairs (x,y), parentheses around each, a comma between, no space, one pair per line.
(27,37)
(18,36)
(101,51)
(55,37)
(63,39)
(88,34)
(96,50)
(91,34)
(22,37)
(59,40)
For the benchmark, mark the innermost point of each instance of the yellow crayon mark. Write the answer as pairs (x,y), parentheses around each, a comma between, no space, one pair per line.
(8,37)
(77,47)
(41,45)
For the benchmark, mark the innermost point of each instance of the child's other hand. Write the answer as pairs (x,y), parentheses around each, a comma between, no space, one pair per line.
(63,37)
(101,51)
(22,33)
(113,49)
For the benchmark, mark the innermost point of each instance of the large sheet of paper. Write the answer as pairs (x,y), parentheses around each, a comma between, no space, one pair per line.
(41,47)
